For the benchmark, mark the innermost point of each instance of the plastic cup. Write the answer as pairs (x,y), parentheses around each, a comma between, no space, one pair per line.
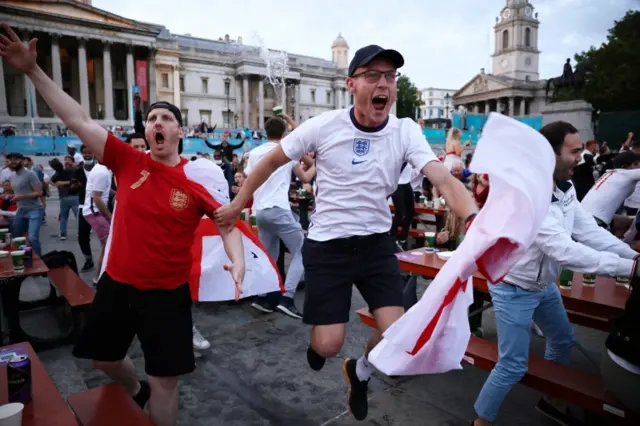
(11,414)
(589,280)
(3,234)
(623,281)
(253,221)
(20,241)
(421,200)
(243,216)
(17,257)
(277,110)
(436,203)
(566,278)
(430,239)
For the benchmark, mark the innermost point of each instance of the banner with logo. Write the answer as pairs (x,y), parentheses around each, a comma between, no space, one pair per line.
(141,78)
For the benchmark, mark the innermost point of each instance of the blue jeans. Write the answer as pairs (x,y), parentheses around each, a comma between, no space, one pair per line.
(70,202)
(515,310)
(275,224)
(31,220)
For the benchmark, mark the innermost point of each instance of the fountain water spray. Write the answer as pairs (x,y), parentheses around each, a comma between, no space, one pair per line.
(277,67)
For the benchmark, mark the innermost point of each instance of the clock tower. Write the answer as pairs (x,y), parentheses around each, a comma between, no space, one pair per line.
(516,53)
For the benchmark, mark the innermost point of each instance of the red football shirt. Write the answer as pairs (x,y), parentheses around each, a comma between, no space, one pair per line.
(158,209)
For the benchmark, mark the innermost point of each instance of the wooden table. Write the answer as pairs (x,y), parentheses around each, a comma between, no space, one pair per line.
(48,407)
(10,283)
(604,300)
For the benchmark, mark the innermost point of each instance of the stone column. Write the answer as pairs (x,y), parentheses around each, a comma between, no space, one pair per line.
(236,93)
(296,95)
(29,90)
(476,108)
(83,74)
(336,98)
(151,79)
(108,81)
(284,97)
(131,81)
(523,105)
(260,103)
(3,92)
(487,107)
(512,108)
(245,98)
(56,65)
(176,86)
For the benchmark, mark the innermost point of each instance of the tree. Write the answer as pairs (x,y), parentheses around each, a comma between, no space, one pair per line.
(614,84)
(408,98)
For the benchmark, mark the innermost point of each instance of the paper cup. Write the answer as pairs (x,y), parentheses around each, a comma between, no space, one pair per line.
(19,241)
(277,110)
(430,239)
(253,221)
(566,278)
(589,279)
(17,257)
(622,281)
(436,203)
(11,414)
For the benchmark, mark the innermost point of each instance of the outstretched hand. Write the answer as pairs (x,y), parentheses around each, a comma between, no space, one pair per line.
(226,216)
(20,56)
(237,274)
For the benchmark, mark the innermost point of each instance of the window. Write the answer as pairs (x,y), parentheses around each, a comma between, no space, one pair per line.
(205,85)
(185,117)
(205,116)
(182,83)
(430,102)
(313,96)
(328,97)
(165,80)
(227,87)
(227,119)
(526,78)
(430,94)
(505,39)
(527,37)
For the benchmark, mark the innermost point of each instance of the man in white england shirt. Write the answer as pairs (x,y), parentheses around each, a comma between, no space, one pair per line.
(276,221)
(359,154)
(610,191)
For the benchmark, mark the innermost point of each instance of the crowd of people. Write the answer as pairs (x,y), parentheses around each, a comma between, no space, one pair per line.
(356,158)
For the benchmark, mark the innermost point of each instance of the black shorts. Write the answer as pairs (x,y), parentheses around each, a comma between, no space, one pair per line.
(332,267)
(160,318)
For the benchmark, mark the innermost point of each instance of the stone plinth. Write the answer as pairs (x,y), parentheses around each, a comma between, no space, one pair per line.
(576,112)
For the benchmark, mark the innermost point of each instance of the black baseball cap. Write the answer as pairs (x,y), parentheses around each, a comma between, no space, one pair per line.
(625,159)
(174,110)
(365,55)
(15,155)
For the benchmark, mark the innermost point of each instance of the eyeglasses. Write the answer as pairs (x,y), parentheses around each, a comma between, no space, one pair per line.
(373,76)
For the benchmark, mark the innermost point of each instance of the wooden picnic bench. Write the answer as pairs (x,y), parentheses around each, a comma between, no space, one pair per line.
(108,405)
(77,294)
(556,380)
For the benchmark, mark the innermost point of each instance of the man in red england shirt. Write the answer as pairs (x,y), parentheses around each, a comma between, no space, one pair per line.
(161,200)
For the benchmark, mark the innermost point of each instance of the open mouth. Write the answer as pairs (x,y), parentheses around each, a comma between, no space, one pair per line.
(380,102)
(159,138)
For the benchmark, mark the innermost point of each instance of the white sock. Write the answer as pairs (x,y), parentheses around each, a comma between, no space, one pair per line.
(364,369)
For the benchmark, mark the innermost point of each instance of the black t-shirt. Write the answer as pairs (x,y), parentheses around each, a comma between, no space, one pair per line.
(80,175)
(65,175)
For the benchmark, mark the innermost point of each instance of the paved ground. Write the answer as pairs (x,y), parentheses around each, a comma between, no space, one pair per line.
(256,374)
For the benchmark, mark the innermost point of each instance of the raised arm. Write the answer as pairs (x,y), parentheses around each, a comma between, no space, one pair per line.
(23,59)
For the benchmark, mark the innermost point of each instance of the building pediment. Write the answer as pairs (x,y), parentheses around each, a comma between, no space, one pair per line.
(481,83)
(71,9)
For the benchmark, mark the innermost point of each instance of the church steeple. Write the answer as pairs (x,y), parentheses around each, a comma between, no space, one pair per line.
(516,52)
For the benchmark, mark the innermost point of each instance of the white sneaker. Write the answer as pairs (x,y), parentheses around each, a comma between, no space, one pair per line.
(199,342)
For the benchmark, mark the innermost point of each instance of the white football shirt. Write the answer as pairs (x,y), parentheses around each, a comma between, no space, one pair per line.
(609,192)
(275,191)
(98,179)
(356,170)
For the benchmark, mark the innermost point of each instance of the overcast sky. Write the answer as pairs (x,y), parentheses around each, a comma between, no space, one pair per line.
(444,42)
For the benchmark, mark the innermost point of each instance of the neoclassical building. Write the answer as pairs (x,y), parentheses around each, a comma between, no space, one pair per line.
(514,87)
(100,59)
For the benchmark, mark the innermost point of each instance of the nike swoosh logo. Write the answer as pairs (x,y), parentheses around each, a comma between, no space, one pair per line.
(357,162)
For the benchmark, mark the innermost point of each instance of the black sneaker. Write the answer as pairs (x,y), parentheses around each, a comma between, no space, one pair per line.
(563,418)
(357,402)
(143,394)
(88,265)
(262,304)
(316,361)
(287,307)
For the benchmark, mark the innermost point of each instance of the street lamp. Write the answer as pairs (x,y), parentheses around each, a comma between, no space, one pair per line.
(447,98)
(293,108)
(235,121)
(227,91)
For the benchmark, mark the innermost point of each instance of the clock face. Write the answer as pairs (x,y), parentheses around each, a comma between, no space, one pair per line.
(528,10)
(527,62)
(504,63)
(506,14)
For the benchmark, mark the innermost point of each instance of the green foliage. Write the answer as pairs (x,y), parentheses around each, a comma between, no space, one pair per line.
(408,98)
(615,82)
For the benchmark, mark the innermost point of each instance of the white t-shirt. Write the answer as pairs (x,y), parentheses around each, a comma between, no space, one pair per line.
(417,179)
(405,175)
(78,158)
(633,201)
(99,179)
(609,192)
(275,191)
(356,170)
(6,174)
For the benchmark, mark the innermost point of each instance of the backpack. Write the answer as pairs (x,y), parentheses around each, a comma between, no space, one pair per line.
(60,258)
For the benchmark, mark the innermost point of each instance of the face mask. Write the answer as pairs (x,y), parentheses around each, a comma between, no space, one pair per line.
(89,162)
(218,162)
